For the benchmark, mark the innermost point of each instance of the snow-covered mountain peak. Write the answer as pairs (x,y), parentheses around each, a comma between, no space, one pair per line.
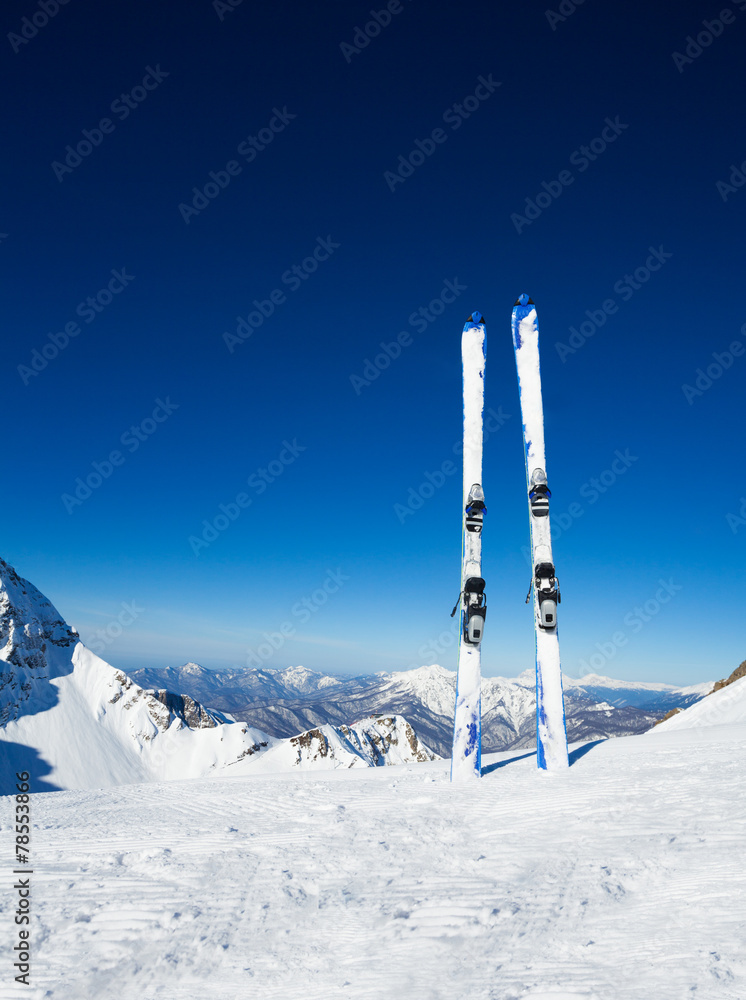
(98,728)
(30,625)
(302,679)
(433,685)
(432,672)
(195,669)
(294,674)
(436,670)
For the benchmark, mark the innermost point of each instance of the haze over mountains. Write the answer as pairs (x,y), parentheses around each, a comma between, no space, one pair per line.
(282,702)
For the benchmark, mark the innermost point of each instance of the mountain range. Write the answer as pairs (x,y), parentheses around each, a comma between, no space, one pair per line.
(282,702)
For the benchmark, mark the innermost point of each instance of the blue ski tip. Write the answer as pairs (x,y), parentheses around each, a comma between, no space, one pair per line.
(523,307)
(476,319)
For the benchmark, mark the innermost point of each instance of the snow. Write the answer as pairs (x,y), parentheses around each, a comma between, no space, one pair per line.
(373,742)
(622,878)
(728,705)
(302,869)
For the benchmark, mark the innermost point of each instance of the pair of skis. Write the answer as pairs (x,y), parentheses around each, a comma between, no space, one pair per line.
(551,738)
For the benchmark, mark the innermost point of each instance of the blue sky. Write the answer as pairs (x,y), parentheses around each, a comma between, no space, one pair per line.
(281,236)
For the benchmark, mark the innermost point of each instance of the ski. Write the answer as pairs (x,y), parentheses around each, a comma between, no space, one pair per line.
(551,734)
(466,760)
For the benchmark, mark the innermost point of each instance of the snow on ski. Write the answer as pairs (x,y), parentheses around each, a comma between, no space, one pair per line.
(551,735)
(466,761)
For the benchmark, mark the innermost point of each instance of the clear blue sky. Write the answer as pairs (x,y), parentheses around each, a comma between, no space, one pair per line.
(303,134)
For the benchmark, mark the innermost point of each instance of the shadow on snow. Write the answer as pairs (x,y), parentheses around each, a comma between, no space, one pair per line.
(504,763)
(573,757)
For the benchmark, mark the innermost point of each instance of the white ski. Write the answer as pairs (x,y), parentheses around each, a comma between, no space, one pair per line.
(466,761)
(551,735)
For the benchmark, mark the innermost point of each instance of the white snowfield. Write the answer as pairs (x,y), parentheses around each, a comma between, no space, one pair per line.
(622,878)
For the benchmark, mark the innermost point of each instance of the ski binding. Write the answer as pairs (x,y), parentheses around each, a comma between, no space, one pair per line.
(475,508)
(548,593)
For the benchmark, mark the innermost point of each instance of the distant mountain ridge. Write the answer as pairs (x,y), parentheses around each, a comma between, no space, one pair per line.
(709,711)
(725,705)
(283,701)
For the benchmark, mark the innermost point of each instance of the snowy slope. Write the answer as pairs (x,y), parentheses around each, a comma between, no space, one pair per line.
(75,721)
(620,879)
(723,707)
(93,727)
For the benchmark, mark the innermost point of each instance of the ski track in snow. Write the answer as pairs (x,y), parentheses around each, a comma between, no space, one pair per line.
(620,879)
